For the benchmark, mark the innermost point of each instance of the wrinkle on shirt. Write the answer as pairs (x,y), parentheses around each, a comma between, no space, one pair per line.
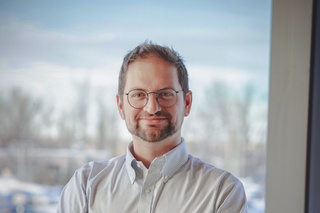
(174,182)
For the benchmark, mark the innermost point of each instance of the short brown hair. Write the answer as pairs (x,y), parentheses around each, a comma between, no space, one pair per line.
(151,49)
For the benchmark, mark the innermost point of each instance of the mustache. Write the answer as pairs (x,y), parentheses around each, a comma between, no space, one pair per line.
(157,114)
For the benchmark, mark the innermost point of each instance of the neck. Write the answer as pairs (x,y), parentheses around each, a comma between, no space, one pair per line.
(146,152)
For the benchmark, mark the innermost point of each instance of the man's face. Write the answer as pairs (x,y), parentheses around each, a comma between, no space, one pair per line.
(153,123)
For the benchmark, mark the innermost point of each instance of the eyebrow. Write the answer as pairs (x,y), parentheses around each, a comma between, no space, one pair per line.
(137,88)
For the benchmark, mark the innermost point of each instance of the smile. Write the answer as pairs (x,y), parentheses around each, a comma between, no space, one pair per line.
(153,119)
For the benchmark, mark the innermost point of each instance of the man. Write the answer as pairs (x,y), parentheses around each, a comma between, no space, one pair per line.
(157,174)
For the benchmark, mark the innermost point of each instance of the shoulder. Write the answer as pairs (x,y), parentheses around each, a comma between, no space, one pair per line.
(75,194)
(226,187)
(94,168)
(208,171)
(202,166)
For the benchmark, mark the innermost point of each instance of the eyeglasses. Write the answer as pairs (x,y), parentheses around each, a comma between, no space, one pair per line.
(138,98)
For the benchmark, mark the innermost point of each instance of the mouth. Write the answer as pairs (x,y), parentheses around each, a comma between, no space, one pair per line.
(153,120)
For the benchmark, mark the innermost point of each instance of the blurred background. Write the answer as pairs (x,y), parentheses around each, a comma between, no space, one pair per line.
(59,65)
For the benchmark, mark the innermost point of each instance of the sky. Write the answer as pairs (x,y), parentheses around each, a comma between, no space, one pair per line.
(81,33)
(46,47)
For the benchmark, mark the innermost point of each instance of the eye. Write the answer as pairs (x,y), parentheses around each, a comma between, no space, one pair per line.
(137,94)
(165,94)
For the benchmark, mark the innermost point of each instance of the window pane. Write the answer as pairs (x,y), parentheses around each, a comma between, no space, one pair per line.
(59,64)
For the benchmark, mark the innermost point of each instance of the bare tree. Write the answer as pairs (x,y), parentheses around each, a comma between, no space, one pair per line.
(20,125)
(65,129)
(20,116)
(227,122)
(107,130)
(214,117)
(81,110)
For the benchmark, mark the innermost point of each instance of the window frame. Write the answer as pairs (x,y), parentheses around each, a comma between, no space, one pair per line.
(287,139)
(313,159)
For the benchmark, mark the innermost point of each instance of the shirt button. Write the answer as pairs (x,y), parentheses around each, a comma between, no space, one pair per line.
(148,190)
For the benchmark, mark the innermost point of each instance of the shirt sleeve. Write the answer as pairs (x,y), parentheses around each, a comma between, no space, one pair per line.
(73,198)
(232,197)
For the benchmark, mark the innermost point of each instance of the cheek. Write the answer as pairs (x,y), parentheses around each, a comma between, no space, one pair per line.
(130,114)
(177,114)
(181,109)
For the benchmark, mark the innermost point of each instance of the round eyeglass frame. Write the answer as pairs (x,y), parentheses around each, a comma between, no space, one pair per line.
(147,97)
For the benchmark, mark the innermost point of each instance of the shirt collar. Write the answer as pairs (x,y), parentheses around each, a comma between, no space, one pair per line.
(131,164)
(174,159)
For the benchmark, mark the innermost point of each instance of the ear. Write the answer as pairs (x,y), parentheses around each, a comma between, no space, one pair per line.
(188,103)
(120,106)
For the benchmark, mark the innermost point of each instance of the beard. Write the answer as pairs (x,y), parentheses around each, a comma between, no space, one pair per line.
(154,133)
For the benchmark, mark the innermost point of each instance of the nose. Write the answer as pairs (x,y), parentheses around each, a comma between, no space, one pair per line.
(152,105)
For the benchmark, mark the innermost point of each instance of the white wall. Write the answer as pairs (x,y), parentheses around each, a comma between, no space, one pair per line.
(288,106)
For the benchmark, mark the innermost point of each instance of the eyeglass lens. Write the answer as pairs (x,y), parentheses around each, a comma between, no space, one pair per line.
(138,98)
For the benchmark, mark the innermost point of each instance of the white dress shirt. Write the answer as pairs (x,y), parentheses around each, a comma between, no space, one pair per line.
(175,182)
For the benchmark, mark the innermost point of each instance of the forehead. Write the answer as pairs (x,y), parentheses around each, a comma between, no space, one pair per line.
(151,73)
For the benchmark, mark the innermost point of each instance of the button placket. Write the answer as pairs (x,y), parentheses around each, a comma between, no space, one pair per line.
(154,175)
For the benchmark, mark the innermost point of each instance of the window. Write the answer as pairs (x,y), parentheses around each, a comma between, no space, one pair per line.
(59,66)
